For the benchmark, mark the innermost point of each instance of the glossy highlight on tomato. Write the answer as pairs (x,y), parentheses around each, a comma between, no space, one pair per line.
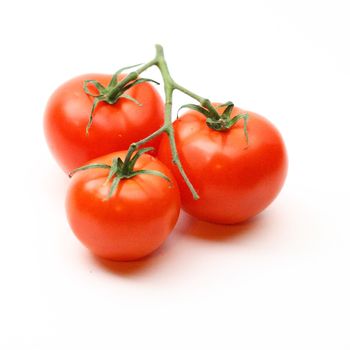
(114,126)
(134,221)
(234,180)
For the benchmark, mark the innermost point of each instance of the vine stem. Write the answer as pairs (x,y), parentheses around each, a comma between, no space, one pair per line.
(169,86)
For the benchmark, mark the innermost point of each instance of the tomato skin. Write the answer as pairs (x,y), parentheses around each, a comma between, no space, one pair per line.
(114,127)
(235,181)
(132,223)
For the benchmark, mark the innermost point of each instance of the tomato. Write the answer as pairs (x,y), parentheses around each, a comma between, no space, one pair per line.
(234,180)
(114,127)
(134,221)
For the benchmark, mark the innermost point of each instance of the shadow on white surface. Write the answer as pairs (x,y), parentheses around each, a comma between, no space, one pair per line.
(130,268)
(183,245)
(216,232)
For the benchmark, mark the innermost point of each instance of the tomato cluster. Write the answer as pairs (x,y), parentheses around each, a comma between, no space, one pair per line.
(123,202)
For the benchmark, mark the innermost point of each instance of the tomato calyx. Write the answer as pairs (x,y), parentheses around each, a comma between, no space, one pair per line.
(122,170)
(223,121)
(114,91)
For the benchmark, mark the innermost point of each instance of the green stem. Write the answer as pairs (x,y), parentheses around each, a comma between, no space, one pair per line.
(132,76)
(189,93)
(137,144)
(146,66)
(203,101)
(169,86)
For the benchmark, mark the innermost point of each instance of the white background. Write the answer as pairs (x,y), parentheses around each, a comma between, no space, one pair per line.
(279,282)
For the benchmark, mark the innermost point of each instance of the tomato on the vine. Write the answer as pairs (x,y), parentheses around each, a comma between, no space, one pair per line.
(133,221)
(235,178)
(114,128)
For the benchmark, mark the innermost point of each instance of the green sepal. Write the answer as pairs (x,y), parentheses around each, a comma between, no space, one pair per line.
(149,172)
(128,97)
(143,80)
(113,169)
(114,187)
(90,166)
(120,163)
(137,155)
(122,170)
(112,92)
(100,88)
(196,108)
(228,103)
(227,111)
(97,100)
(114,79)
(238,117)
(219,122)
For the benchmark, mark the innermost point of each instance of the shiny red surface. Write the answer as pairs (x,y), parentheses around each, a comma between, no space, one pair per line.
(131,224)
(114,127)
(235,181)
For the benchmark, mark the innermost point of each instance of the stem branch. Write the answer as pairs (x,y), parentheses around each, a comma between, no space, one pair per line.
(169,86)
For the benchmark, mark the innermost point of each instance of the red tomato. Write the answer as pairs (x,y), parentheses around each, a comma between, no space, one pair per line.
(114,127)
(234,180)
(131,224)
